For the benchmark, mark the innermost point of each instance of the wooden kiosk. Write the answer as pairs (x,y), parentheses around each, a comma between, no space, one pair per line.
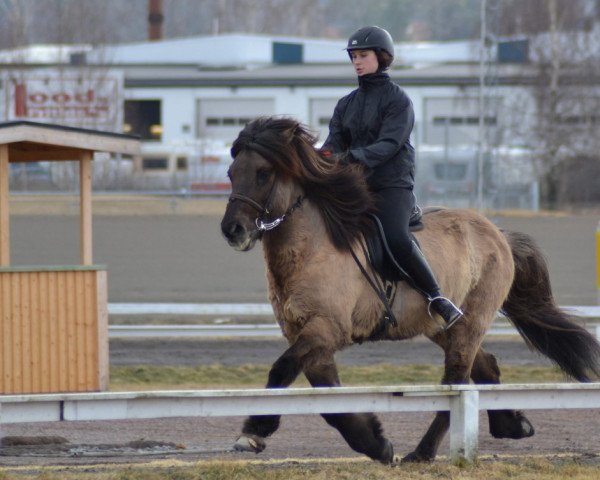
(54,319)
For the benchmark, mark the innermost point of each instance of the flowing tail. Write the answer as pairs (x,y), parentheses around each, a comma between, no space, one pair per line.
(530,306)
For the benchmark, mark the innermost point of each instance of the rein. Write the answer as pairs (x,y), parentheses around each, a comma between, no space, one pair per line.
(389,316)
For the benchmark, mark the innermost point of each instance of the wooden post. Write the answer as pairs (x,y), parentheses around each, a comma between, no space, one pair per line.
(85,186)
(464,426)
(4,215)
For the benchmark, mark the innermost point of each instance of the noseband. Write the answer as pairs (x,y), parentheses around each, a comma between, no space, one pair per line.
(263,211)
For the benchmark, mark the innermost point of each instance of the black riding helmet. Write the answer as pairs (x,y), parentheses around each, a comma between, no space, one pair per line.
(373,38)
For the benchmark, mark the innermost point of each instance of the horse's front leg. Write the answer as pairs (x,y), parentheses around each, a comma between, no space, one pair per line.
(362,431)
(283,372)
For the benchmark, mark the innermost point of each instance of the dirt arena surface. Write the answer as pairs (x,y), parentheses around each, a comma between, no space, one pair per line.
(181,257)
(239,351)
(304,437)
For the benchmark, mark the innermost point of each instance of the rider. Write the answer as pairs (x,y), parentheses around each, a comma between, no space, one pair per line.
(372,126)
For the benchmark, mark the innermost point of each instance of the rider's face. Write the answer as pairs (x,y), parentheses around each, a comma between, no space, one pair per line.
(364,61)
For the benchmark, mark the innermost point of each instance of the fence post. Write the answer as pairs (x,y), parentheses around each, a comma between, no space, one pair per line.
(464,426)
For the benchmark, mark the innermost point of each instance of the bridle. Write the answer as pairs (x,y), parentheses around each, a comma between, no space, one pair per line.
(261,224)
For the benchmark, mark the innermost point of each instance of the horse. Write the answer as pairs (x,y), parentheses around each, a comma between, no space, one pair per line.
(312,215)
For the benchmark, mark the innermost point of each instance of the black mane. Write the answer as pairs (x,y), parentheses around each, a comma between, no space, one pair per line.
(339,190)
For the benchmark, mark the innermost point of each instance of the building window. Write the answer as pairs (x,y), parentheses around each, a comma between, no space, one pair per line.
(155,163)
(182,163)
(227,121)
(579,119)
(440,121)
(143,118)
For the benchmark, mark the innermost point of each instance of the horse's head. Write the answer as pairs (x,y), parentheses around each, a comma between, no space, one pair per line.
(275,165)
(262,176)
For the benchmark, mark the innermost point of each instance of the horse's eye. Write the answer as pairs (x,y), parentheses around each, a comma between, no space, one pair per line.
(262,175)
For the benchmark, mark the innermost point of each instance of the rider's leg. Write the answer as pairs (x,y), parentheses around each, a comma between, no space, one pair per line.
(395,206)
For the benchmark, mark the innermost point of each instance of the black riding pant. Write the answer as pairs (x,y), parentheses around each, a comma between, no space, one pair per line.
(394,209)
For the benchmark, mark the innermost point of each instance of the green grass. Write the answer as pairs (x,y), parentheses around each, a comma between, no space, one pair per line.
(519,469)
(144,377)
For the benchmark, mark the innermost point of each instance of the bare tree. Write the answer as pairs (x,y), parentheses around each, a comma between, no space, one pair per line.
(300,17)
(87,95)
(15,21)
(560,125)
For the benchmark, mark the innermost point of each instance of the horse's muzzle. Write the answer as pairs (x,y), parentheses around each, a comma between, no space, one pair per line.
(238,236)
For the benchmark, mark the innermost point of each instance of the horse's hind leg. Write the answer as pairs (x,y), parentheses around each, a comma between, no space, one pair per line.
(460,351)
(362,432)
(503,423)
(484,369)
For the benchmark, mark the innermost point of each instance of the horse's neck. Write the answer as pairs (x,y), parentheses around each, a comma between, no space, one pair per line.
(287,247)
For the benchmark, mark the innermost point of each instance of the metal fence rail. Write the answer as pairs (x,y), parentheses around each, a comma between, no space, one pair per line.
(247,330)
(200,331)
(462,401)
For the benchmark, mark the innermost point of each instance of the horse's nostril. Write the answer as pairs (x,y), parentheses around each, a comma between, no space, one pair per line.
(232,230)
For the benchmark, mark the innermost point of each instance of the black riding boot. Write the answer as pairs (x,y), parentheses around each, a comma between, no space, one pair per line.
(417,268)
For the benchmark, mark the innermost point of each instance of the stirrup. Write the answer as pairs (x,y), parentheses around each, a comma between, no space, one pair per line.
(458,313)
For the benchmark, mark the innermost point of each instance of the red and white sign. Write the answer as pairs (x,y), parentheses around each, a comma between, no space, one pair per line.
(74,100)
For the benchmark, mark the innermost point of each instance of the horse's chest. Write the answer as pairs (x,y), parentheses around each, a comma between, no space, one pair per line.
(289,298)
(295,280)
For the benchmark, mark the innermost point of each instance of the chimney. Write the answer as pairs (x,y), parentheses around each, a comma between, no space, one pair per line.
(155,20)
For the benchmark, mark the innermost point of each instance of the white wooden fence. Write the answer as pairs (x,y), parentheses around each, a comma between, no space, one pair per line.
(247,309)
(250,330)
(462,401)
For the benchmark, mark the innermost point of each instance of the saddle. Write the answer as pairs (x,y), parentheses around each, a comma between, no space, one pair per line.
(382,262)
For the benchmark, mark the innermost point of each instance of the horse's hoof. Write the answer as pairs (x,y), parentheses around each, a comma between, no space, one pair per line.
(414,457)
(510,424)
(249,443)
(387,454)
(526,427)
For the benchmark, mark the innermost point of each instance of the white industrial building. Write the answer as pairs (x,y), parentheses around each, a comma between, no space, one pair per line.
(188,98)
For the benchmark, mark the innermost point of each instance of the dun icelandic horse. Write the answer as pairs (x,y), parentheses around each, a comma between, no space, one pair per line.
(311,214)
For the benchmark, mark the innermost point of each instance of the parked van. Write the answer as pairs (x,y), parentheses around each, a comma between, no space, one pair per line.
(447,176)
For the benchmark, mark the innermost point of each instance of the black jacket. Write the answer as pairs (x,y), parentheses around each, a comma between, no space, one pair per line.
(373,125)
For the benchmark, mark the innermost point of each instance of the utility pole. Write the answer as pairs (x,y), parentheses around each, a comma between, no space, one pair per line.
(482,81)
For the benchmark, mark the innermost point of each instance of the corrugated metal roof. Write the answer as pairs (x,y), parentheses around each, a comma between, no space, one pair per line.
(233,49)
(312,75)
